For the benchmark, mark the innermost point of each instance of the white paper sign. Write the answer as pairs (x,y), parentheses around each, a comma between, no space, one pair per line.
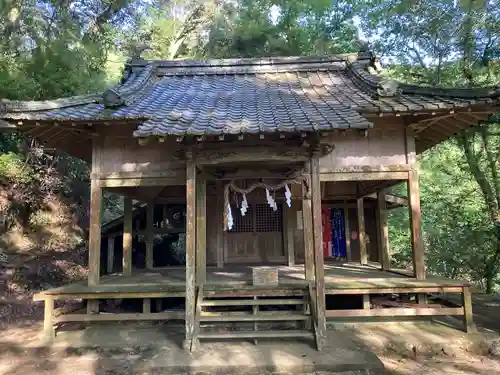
(300,224)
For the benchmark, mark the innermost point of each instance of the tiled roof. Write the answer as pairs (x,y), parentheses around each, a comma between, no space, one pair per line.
(234,96)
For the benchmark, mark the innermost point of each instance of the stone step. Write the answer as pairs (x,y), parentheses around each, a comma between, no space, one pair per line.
(249,317)
(255,334)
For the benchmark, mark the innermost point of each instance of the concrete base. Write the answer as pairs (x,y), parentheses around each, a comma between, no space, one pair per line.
(159,350)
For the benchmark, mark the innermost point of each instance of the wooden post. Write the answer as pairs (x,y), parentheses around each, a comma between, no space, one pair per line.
(127,236)
(366,302)
(149,235)
(146,305)
(220,241)
(415,225)
(307,227)
(347,232)
(190,250)
(319,269)
(469,325)
(201,230)
(383,232)
(110,254)
(361,232)
(95,233)
(48,327)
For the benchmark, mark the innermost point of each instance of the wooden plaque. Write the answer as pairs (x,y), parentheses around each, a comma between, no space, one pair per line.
(265,276)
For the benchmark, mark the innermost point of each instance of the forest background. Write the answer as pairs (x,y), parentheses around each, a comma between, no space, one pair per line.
(56,48)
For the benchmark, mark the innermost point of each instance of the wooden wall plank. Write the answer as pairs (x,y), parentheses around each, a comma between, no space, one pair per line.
(127,236)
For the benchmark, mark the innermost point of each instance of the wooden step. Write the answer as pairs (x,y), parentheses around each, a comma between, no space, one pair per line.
(248,317)
(255,334)
(253,302)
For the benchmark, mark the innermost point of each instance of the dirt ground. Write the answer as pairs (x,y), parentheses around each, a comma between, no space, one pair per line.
(404,348)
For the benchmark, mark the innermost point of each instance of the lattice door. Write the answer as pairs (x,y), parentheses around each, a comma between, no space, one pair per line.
(257,236)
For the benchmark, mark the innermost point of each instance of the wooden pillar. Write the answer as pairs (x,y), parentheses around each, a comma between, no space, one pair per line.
(307,227)
(361,232)
(201,230)
(347,232)
(110,254)
(319,269)
(127,236)
(95,233)
(383,232)
(190,250)
(149,235)
(220,239)
(415,225)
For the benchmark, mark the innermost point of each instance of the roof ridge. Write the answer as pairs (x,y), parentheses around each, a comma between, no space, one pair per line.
(7,105)
(248,61)
(129,86)
(367,76)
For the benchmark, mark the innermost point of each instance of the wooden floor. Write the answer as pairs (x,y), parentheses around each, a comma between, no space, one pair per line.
(340,278)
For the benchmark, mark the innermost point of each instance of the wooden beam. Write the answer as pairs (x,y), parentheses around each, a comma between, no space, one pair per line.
(171,173)
(220,241)
(119,317)
(319,268)
(347,230)
(361,231)
(256,154)
(383,231)
(415,226)
(363,176)
(367,169)
(95,233)
(396,311)
(127,236)
(392,290)
(110,254)
(190,250)
(201,230)
(390,198)
(150,235)
(134,182)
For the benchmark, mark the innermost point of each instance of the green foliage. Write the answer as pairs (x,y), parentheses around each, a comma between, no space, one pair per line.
(13,169)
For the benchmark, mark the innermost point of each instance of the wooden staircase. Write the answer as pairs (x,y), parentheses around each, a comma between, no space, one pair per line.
(260,308)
